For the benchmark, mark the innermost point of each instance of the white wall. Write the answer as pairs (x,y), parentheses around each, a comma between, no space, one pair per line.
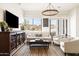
(72,18)
(74,22)
(1,15)
(77,22)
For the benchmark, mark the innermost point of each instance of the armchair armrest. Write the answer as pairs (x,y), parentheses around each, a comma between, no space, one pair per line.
(70,47)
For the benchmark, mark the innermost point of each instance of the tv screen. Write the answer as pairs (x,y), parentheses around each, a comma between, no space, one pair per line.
(11,19)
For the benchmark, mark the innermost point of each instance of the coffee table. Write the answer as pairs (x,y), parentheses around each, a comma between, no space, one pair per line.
(39,43)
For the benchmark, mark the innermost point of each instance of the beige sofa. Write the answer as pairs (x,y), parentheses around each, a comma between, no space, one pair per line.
(71,46)
(38,35)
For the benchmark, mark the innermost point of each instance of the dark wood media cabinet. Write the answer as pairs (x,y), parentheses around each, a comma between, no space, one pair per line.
(10,41)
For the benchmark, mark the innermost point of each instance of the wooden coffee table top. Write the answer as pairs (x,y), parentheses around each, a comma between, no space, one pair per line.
(39,40)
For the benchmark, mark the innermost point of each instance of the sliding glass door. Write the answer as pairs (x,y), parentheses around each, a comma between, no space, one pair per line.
(54,26)
(58,26)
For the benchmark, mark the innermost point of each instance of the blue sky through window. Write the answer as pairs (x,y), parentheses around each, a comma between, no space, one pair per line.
(34,21)
(37,22)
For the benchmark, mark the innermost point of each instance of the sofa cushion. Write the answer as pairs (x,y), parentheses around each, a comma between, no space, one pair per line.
(38,35)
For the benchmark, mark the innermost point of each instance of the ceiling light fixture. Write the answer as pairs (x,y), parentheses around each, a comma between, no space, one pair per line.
(50,11)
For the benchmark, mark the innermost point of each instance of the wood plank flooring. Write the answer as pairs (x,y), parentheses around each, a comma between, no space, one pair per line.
(53,50)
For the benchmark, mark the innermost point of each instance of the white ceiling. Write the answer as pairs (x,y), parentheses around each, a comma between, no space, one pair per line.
(41,6)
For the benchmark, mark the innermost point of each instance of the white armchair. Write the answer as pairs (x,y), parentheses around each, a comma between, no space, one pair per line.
(57,40)
(70,46)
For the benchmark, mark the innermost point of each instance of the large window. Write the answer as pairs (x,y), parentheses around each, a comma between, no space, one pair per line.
(54,26)
(59,26)
(33,24)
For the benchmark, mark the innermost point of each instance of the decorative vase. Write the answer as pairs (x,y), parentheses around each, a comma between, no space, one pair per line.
(2,28)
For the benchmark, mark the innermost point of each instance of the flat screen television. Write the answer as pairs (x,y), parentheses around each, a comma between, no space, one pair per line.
(11,19)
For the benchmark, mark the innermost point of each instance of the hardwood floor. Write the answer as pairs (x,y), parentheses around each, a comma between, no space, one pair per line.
(53,50)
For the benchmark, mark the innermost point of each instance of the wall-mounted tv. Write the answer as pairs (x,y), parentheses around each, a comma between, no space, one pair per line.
(11,19)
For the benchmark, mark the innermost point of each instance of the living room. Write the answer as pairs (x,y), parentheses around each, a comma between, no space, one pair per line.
(35,34)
